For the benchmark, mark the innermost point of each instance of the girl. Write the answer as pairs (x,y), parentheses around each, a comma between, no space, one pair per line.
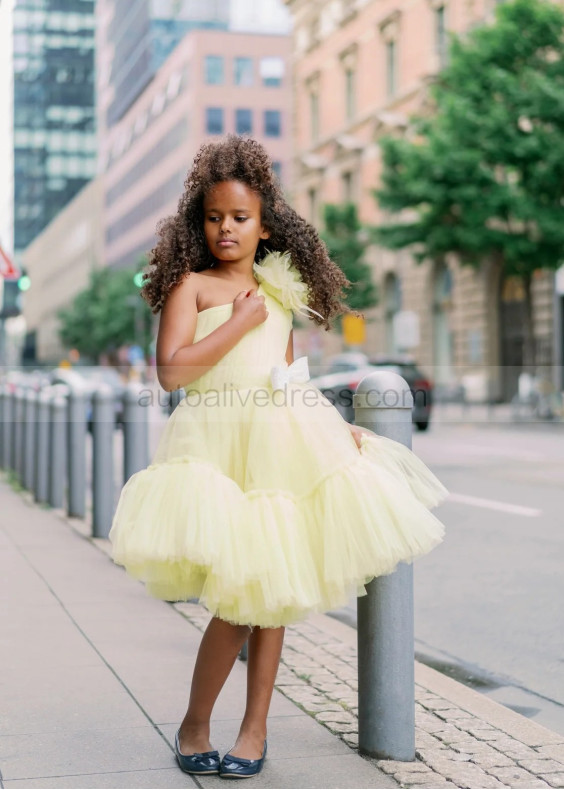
(261,500)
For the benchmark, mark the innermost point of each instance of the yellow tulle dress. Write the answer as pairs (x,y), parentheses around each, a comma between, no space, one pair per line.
(258,500)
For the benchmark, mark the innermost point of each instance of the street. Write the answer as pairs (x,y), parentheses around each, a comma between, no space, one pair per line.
(488,600)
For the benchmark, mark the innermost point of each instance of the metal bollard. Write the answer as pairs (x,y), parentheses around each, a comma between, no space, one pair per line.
(17,449)
(12,446)
(386,685)
(30,416)
(57,449)
(77,403)
(6,426)
(135,431)
(103,422)
(41,475)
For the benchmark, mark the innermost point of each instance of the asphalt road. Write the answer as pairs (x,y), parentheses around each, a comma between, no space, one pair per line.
(489,601)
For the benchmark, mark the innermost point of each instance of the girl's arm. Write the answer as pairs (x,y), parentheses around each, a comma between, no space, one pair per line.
(180,361)
(290,349)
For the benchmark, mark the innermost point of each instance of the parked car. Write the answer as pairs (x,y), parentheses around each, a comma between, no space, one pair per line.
(344,372)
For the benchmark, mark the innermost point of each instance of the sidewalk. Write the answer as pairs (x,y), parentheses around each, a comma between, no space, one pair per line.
(94,678)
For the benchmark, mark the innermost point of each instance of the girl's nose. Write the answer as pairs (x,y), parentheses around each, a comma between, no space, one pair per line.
(225,225)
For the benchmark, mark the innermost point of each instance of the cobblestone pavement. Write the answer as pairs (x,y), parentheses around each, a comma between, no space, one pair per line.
(473,744)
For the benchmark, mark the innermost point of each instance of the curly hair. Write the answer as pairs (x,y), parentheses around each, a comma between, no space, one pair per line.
(182,245)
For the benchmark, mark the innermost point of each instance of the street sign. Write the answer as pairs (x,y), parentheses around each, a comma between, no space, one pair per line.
(7,268)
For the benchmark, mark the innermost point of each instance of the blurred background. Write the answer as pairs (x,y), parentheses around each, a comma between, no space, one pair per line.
(423,139)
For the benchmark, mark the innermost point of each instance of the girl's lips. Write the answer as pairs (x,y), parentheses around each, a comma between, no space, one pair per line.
(226,243)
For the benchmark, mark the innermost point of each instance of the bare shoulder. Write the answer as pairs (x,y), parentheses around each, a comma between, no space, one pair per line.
(178,320)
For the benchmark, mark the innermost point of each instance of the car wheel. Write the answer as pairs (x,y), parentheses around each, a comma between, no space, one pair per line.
(422,425)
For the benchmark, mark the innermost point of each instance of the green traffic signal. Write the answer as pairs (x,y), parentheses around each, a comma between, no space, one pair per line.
(138,279)
(24,283)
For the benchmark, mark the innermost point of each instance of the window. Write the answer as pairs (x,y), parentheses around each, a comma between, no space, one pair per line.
(244,121)
(314,115)
(313,198)
(272,123)
(244,71)
(440,33)
(277,168)
(350,98)
(391,70)
(348,183)
(214,69)
(214,120)
(272,71)
(349,66)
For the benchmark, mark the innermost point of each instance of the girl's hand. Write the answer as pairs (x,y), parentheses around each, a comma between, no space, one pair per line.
(357,432)
(249,308)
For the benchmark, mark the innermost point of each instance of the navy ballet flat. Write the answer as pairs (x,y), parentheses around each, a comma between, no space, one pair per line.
(199,763)
(239,767)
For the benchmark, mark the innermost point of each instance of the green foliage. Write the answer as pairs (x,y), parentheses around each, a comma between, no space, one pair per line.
(107,314)
(346,241)
(484,174)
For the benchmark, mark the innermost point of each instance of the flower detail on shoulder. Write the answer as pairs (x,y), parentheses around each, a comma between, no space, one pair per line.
(281,279)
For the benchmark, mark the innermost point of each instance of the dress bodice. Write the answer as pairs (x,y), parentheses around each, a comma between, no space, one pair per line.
(249,363)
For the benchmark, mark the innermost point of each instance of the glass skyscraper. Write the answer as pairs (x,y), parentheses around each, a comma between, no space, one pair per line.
(54,110)
(143,33)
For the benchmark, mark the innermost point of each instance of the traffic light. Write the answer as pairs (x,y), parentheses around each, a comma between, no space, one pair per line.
(11,301)
(24,283)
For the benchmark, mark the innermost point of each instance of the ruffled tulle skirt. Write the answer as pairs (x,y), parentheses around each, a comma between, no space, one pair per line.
(267,513)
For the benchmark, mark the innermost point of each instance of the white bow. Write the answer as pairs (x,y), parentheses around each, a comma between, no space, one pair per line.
(298,371)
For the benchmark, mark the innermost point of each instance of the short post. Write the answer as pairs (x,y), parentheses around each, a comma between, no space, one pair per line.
(17,453)
(135,431)
(30,416)
(103,423)
(6,425)
(41,476)
(386,685)
(76,451)
(57,448)
(12,446)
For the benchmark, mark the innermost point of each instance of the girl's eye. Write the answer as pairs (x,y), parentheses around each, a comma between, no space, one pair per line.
(213,219)
(240,219)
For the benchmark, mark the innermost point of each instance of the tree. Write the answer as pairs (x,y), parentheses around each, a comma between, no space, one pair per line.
(346,241)
(107,314)
(483,174)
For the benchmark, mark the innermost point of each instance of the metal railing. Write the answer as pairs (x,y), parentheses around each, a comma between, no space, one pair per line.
(44,447)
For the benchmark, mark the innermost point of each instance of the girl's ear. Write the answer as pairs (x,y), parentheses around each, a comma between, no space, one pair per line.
(265,234)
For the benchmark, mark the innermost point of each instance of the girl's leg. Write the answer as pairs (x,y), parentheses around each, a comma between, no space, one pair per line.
(219,648)
(265,647)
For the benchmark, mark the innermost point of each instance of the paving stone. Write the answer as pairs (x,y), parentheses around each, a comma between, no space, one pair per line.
(394,766)
(555,780)
(541,766)
(512,775)
(424,740)
(438,704)
(429,723)
(555,750)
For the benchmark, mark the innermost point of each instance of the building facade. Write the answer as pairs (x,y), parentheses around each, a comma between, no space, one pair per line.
(135,39)
(361,68)
(215,82)
(54,133)
(76,234)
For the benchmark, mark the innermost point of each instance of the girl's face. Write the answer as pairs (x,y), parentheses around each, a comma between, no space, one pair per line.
(232,221)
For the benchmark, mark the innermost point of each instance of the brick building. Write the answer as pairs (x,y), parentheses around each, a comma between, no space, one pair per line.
(361,67)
